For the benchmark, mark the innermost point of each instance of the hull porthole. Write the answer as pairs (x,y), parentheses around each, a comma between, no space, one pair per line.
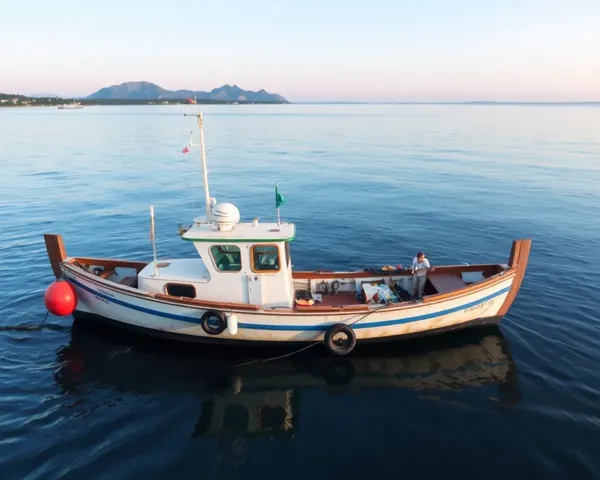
(340,339)
(213,322)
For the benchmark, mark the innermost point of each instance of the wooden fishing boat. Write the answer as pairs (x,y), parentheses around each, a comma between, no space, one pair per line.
(243,290)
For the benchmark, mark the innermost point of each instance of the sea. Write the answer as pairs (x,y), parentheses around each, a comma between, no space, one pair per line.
(366,186)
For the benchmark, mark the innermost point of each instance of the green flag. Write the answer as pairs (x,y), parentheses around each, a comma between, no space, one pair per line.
(279,198)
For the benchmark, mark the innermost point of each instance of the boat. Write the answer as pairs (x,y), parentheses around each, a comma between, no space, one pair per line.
(70,106)
(241,289)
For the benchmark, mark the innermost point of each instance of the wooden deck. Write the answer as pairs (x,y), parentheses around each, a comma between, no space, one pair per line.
(446,282)
(339,300)
(334,303)
(129,281)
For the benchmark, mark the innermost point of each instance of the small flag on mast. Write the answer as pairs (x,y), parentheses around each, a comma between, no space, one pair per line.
(186,149)
(279,201)
(279,198)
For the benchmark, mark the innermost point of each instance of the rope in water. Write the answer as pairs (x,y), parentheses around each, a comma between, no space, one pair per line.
(7,328)
(265,360)
(289,354)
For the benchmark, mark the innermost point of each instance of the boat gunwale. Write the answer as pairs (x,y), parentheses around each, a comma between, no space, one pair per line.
(332,274)
(509,273)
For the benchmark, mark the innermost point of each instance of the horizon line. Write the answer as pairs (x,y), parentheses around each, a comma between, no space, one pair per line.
(363,102)
(445,102)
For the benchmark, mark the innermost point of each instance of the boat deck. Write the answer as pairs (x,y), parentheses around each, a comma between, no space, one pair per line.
(339,300)
(129,282)
(341,286)
(446,282)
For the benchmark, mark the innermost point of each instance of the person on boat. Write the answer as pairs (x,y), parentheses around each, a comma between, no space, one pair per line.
(420,267)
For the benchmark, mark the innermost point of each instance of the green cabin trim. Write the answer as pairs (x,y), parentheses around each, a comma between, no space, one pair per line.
(240,240)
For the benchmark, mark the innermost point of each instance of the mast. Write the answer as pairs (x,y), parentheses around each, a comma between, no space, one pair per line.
(203,159)
(204,170)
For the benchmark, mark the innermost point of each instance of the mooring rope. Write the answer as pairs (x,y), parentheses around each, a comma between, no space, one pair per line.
(9,328)
(265,360)
(289,354)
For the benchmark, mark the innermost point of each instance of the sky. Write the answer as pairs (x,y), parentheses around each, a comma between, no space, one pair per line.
(327,50)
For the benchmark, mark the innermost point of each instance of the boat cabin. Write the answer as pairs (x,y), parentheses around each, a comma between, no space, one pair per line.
(246,263)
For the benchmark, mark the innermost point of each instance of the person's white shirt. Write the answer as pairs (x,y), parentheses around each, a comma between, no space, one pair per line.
(420,269)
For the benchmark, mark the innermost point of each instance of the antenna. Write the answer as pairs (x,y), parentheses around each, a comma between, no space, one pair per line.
(203,158)
(153,239)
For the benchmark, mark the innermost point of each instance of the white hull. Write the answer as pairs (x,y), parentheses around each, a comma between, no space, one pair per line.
(132,308)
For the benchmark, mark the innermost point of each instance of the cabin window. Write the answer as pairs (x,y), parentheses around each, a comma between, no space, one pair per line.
(227,258)
(265,258)
(180,290)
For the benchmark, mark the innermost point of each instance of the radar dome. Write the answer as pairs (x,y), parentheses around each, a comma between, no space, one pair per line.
(225,215)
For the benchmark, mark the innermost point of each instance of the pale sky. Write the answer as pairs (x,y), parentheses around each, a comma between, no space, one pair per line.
(327,50)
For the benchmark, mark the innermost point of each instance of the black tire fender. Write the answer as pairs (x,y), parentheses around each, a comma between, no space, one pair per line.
(213,322)
(337,347)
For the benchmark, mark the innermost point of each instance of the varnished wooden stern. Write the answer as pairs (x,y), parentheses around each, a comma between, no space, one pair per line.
(56,252)
(519,258)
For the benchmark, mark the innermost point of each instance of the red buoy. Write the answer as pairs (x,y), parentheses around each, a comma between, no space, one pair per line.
(60,298)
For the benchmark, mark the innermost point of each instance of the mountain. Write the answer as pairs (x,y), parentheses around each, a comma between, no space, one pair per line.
(151,91)
(129,91)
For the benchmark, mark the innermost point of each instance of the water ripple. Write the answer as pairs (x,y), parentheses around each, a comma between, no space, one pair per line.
(366,186)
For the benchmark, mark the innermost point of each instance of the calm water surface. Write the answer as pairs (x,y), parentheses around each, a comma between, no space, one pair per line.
(366,186)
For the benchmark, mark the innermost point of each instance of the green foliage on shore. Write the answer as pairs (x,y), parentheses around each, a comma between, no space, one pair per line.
(13,100)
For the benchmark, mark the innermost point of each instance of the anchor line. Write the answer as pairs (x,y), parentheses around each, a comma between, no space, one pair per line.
(265,360)
(7,328)
(289,354)
(43,321)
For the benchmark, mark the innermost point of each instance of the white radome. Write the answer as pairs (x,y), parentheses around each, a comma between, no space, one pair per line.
(225,215)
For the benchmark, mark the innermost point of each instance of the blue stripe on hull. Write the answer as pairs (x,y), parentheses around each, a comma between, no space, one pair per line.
(296,328)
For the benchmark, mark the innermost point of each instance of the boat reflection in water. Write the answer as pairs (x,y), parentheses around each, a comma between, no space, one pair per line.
(264,398)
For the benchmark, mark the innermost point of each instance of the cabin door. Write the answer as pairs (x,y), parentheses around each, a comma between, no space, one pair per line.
(255,290)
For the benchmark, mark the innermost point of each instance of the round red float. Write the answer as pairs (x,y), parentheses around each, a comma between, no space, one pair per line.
(60,298)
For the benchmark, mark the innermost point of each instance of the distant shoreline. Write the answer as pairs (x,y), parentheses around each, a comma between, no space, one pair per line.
(96,104)
(23,101)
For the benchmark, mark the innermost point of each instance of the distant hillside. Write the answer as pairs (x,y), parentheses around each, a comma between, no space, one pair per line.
(129,91)
(43,95)
(151,91)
